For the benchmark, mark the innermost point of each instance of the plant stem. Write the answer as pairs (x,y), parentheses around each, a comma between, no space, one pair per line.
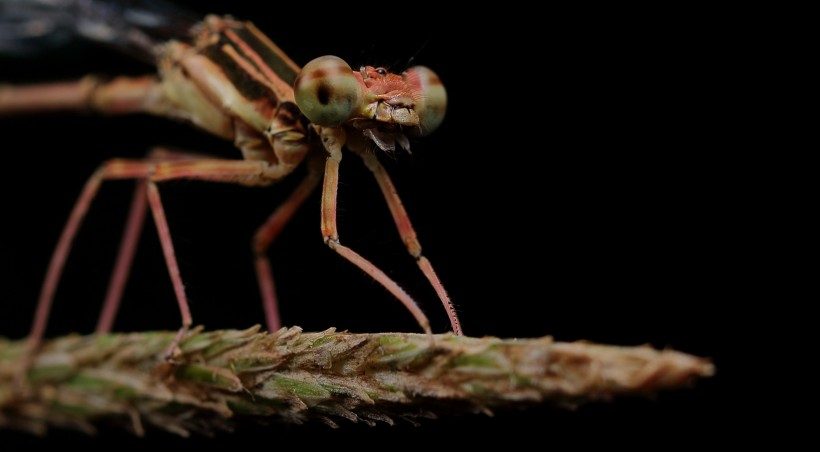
(220,378)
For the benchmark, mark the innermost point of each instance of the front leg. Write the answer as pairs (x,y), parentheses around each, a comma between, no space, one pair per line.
(333,140)
(408,234)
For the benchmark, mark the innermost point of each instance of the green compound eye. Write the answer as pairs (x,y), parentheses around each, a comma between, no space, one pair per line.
(433,103)
(327,92)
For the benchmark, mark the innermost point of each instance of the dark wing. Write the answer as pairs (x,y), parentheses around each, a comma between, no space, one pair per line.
(29,27)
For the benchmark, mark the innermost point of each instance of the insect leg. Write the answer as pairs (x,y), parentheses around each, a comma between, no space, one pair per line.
(125,256)
(247,172)
(333,139)
(268,232)
(128,244)
(408,234)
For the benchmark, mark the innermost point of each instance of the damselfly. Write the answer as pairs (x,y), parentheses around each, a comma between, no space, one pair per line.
(229,79)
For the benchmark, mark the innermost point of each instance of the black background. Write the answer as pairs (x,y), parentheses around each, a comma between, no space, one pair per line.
(573,190)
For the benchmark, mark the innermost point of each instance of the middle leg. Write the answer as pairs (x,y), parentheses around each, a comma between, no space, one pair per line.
(269,231)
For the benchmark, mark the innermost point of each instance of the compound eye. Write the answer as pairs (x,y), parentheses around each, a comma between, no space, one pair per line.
(327,92)
(433,104)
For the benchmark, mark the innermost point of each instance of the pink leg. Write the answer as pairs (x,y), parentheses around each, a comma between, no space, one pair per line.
(128,245)
(171,260)
(266,234)
(333,142)
(125,256)
(208,169)
(55,266)
(408,235)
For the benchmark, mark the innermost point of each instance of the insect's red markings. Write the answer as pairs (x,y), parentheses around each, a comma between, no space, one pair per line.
(251,70)
(389,99)
(283,91)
